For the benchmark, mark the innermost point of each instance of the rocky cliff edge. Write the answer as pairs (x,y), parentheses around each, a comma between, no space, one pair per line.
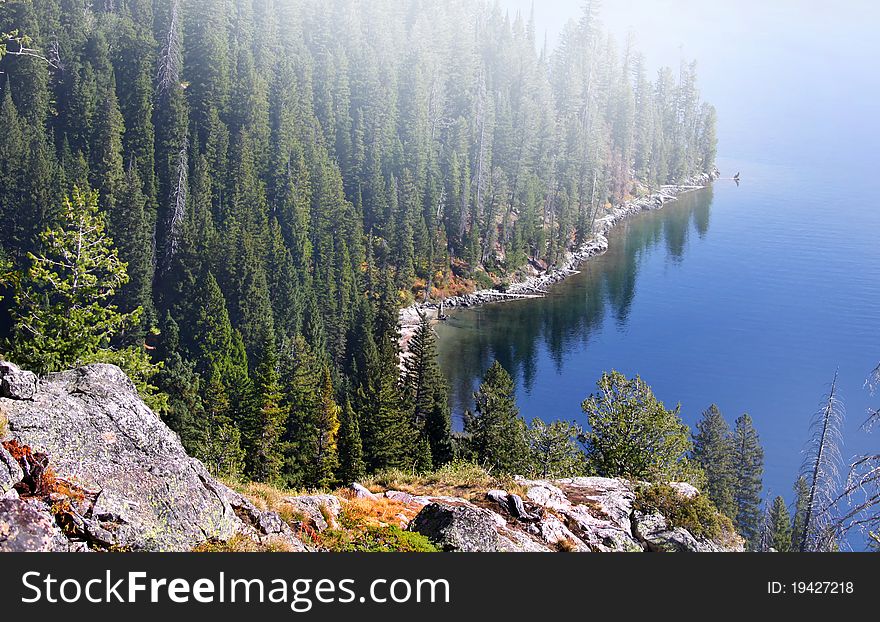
(86,465)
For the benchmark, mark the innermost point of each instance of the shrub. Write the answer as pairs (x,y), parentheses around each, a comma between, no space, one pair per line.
(483,280)
(375,539)
(697,514)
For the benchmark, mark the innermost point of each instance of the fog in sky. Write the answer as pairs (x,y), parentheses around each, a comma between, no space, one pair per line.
(789,78)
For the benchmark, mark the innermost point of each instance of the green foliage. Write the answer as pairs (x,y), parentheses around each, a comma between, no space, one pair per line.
(748,468)
(714,453)
(351,452)
(779,526)
(263,418)
(313,419)
(697,514)
(426,394)
(373,539)
(798,524)
(498,435)
(554,449)
(62,310)
(633,435)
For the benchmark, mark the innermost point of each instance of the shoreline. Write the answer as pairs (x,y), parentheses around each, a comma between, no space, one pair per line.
(535,286)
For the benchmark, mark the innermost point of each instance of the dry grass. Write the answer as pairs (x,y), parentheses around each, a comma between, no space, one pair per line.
(457,479)
(375,512)
(242,544)
(4,424)
(270,499)
(566,545)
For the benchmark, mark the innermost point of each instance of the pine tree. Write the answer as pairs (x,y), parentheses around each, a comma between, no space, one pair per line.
(325,459)
(748,468)
(802,498)
(62,307)
(779,523)
(222,450)
(554,449)
(262,424)
(182,384)
(426,392)
(351,452)
(497,434)
(132,232)
(714,451)
(632,434)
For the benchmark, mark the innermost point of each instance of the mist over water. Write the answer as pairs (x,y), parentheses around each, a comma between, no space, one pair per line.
(749,297)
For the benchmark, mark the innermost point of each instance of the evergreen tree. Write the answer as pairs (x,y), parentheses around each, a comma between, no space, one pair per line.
(497,434)
(262,423)
(325,459)
(802,498)
(312,437)
(714,451)
(351,453)
(426,392)
(632,434)
(779,523)
(748,468)
(554,449)
(132,233)
(62,307)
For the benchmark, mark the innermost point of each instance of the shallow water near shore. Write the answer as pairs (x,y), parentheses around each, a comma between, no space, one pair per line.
(750,297)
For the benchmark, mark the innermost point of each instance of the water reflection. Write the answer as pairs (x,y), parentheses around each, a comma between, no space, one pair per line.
(516,333)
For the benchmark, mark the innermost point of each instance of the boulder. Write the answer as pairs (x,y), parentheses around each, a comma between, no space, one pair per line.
(25,528)
(406,498)
(16,384)
(134,486)
(361,492)
(457,527)
(10,472)
(320,511)
(659,537)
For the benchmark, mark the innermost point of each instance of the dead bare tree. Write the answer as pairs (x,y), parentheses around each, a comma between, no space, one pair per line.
(178,201)
(862,489)
(170,58)
(821,467)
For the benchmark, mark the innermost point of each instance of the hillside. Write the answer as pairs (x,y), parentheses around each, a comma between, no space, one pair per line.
(266,184)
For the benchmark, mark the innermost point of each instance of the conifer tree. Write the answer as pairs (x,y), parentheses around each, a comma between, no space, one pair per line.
(325,456)
(714,451)
(262,424)
(632,434)
(426,392)
(132,233)
(351,452)
(62,307)
(779,523)
(497,434)
(554,449)
(748,468)
(798,520)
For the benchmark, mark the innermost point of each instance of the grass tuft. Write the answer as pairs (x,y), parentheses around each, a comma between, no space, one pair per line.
(456,479)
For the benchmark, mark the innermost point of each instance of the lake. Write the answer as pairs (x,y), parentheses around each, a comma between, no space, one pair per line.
(749,297)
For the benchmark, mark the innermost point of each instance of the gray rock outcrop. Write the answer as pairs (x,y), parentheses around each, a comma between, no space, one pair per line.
(577,514)
(119,475)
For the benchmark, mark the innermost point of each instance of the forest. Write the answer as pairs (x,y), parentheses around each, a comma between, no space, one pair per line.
(232,200)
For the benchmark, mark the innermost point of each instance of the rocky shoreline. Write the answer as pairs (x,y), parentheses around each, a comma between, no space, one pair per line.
(536,286)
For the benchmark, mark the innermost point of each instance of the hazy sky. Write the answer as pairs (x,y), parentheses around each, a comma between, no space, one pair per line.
(785,75)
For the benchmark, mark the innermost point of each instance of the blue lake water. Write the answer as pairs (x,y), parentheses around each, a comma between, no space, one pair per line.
(749,297)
